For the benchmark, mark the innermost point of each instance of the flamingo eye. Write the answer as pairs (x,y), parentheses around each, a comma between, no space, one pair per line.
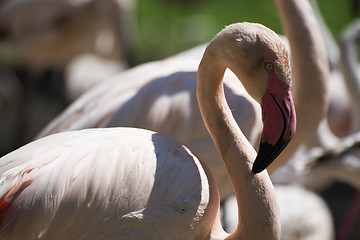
(269,66)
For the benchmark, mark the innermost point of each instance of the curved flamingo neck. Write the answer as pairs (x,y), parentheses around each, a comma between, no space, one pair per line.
(331,44)
(254,193)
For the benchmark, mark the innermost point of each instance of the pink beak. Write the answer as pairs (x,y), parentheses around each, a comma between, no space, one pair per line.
(279,120)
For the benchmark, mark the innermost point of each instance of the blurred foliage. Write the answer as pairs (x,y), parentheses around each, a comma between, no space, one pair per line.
(166,27)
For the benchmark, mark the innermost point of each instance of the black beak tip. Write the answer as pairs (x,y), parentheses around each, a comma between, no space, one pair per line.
(264,157)
(259,165)
(267,154)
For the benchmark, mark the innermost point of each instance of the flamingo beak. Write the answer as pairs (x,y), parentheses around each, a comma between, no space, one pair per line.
(279,121)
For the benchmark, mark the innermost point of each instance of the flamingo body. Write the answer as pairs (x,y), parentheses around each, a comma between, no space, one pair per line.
(297,204)
(109,179)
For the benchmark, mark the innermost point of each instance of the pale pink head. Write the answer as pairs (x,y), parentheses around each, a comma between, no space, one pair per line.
(266,75)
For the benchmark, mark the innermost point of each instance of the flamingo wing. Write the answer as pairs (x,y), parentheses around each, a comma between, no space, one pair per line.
(99,183)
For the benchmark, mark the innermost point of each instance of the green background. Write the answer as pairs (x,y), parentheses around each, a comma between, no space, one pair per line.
(167,27)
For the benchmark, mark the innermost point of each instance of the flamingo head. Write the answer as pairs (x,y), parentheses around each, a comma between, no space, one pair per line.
(261,61)
(268,79)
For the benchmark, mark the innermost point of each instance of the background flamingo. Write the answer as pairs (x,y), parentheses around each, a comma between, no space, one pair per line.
(296,205)
(342,115)
(43,38)
(349,40)
(311,71)
(39,29)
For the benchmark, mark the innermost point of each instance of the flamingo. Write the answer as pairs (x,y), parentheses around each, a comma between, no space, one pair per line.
(316,168)
(38,29)
(296,205)
(333,157)
(331,45)
(338,158)
(338,116)
(86,70)
(47,35)
(163,99)
(311,72)
(343,115)
(350,69)
(137,184)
